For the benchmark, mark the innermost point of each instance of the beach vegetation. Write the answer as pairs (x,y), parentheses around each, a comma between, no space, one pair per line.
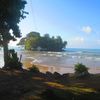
(81,70)
(34,41)
(13,61)
(34,68)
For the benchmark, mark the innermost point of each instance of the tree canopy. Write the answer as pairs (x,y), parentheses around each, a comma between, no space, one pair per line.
(33,40)
(11,13)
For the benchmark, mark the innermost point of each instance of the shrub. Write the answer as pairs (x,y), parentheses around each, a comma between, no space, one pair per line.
(13,60)
(81,70)
(34,68)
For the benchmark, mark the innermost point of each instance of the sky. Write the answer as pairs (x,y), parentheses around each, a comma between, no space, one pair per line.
(76,21)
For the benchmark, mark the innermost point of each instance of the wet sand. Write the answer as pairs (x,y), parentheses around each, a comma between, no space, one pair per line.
(44,68)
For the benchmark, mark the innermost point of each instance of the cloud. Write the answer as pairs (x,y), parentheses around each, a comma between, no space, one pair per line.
(79,40)
(87,29)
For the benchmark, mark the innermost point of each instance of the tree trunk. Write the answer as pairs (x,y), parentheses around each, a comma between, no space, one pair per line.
(5,48)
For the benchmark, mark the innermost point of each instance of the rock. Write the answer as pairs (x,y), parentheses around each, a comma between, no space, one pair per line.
(49,74)
(56,75)
(65,76)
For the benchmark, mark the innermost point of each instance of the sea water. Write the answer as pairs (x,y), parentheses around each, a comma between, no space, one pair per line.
(71,56)
(68,58)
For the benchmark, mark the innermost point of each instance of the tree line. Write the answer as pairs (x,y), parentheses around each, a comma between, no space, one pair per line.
(34,41)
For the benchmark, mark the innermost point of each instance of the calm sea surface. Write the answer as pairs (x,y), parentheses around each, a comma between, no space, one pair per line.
(89,57)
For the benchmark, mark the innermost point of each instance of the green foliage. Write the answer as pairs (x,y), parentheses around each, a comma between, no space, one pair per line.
(34,68)
(28,43)
(33,34)
(31,41)
(11,13)
(80,68)
(46,43)
(13,61)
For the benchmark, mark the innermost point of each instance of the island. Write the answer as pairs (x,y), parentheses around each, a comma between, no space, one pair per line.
(34,41)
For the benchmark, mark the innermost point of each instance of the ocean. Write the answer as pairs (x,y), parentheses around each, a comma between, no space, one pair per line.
(66,59)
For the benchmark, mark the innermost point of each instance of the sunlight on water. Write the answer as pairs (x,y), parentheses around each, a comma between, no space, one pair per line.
(67,59)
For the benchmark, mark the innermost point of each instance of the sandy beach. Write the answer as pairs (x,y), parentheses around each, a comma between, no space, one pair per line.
(44,68)
(61,62)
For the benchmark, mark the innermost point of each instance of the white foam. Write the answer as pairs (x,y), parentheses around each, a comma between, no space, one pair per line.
(97,59)
(74,56)
(64,54)
(36,61)
(44,54)
(30,57)
(89,58)
(79,57)
(59,55)
(51,54)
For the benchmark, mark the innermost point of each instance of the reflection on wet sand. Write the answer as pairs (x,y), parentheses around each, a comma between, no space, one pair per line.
(44,68)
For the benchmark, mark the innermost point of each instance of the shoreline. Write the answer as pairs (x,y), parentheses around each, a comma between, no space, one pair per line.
(45,68)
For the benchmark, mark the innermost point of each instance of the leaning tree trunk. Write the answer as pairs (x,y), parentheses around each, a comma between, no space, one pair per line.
(5,48)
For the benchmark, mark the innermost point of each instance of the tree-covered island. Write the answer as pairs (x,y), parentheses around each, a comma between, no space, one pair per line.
(34,41)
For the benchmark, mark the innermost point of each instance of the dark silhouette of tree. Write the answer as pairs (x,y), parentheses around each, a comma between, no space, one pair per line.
(11,13)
